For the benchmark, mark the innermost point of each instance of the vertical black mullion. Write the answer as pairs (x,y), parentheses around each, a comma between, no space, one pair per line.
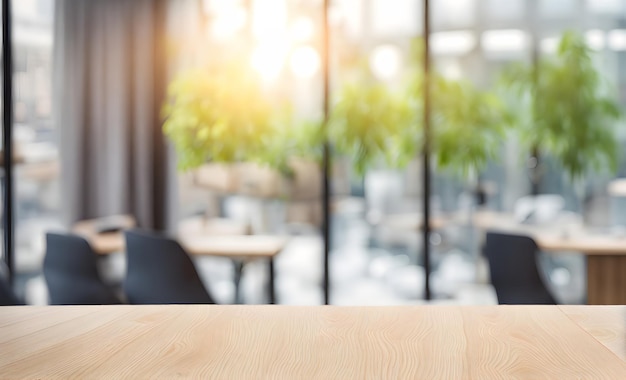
(326,164)
(7,129)
(160,168)
(426,150)
(533,21)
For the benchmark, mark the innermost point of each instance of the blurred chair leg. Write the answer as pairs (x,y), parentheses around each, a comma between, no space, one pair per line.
(238,269)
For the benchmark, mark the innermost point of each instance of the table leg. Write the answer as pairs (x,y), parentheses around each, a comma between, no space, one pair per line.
(606,280)
(238,269)
(271,284)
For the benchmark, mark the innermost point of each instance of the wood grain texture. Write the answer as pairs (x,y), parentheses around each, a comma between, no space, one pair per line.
(241,342)
(606,280)
(605,323)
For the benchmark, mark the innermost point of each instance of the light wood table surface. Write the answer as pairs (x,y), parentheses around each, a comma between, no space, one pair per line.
(105,243)
(212,240)
(282,342)
(240,249)
(605,253)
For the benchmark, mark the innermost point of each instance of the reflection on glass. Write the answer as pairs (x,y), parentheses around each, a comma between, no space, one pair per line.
(606,6)
(456,42)
(506,9)
(504,41)
(595,39)
(617,39)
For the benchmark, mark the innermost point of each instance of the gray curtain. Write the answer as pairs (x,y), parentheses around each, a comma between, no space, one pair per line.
(110,80)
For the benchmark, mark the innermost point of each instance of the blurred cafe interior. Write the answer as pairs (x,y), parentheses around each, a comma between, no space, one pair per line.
(282,154)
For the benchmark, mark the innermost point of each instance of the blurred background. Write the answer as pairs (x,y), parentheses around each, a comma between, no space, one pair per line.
(268,180)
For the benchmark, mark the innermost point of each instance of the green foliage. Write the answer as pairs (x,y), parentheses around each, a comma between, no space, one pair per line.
(372,124)
(468,126)
(220,114)
(562,109)
(303,140)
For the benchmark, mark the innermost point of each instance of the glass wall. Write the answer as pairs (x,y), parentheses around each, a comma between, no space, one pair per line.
(36,159)
(277,189)
(472,44)
(256,185)
(376,239)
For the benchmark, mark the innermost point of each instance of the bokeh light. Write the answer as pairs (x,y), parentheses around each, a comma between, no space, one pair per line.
(385,61)
(270,19)
(302,29)
(228,21)
(268,59)
(304,62)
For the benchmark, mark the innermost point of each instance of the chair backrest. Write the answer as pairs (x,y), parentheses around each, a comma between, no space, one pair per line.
(7,298)
(513,268)
(71,272)
(159,271)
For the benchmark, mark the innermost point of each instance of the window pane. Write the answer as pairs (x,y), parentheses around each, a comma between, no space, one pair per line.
(36,142)
(506,9)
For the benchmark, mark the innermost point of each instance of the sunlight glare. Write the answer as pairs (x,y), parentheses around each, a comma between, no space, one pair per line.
(228,21)
(385,61)
(270,18)
(302,29)
(305,62)
(268,59)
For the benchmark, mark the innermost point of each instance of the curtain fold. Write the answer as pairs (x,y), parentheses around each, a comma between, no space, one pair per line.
(110,80)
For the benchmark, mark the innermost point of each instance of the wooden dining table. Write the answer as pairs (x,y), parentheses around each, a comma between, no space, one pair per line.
(198,240)
(315,342)
(605,253)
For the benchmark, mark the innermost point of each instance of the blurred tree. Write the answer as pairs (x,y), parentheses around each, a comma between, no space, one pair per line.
(221,113)
(562,108)
(372,123)
(212,116)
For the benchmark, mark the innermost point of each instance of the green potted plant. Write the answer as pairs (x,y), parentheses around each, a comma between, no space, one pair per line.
(220,114)
(563,109)
(237,136)
(374,124)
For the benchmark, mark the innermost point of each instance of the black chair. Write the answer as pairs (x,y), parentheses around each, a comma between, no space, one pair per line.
(7,298)
(71,272)
(160,272)
(514,271)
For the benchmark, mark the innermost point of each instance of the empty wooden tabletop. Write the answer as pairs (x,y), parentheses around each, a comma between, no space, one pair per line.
(242,342)
(242,247)
(605,323)
(552,238)
(108,242)
(212,238)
